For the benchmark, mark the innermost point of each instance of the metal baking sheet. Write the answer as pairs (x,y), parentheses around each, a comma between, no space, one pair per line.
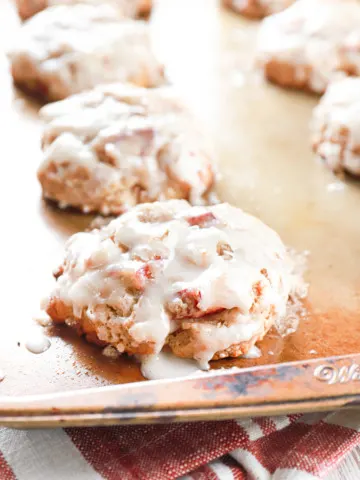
(261,135)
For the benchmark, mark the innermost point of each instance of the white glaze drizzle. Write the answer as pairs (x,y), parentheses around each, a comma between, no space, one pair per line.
(253,353)
(128,137)
(339,111)
(312,34)
(75,47)
(37,342)
(166,365)
(95,266)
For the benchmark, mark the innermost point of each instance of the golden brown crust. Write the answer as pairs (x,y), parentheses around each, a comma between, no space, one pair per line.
(90,327)
(28,8)
(81,189)
(340,139)
(50,88)
(144,8)
(253,9)
(256,9)
(287,75)
(185,342)
(28,78)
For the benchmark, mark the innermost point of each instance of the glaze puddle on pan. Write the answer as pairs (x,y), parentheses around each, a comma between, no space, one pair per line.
(262,141)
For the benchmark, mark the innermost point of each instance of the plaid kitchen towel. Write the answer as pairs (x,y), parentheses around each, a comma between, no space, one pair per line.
(294,447)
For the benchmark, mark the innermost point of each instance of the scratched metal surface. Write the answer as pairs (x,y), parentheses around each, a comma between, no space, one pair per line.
(312,385)
(262,140)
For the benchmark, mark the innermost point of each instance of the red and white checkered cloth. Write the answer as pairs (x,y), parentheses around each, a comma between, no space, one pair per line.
(295,447)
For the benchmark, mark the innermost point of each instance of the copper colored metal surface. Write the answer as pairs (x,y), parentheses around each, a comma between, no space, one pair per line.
(261,135)
(267,390)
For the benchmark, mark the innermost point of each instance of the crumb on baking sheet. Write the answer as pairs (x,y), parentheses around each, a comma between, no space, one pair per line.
(336,187)
(110,352)
(296,310)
